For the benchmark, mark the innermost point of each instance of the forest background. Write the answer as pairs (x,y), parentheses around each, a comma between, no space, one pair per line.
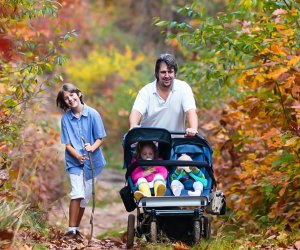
(240,57)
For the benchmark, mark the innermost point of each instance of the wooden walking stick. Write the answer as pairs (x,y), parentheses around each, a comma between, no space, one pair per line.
(93,191)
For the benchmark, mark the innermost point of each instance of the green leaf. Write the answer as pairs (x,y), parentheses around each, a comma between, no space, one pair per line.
(162,23)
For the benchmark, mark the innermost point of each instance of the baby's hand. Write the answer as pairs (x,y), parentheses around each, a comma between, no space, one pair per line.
(187,169)
(148,171)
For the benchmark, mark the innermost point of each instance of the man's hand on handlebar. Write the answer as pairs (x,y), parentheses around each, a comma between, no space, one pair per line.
(190,132)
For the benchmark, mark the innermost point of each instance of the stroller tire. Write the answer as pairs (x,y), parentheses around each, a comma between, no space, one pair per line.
(153,232)
(197,231)
(206,225)
(130,231)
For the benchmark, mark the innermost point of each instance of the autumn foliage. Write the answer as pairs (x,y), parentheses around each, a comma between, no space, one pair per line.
(263,129)
(243,66)
(257,143)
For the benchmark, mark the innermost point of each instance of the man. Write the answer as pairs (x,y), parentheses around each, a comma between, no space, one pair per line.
(167,102)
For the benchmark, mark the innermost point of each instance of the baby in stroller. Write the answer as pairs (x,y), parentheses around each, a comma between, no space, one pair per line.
(189,178)
(146,177)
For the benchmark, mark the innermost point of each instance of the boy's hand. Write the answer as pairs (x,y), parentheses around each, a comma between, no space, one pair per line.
(82,158)
(88,147)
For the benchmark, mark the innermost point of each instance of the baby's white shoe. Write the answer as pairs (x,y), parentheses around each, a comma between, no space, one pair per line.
(176,191)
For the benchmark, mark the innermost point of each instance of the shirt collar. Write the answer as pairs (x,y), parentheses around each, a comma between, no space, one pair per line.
(84,112)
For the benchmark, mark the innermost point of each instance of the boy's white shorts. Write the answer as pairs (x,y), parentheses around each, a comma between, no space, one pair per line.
(81,189)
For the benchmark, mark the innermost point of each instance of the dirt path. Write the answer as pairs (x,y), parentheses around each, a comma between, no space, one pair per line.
(112,216)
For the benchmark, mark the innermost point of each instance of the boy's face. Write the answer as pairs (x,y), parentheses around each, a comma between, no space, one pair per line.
(147,153)
(71,99)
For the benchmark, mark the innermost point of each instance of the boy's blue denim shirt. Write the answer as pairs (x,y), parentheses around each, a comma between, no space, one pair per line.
(89,126)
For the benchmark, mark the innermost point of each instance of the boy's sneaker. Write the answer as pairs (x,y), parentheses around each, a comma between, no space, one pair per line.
(70,235)
(78,235)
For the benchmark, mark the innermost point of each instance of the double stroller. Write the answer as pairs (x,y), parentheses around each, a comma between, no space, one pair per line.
(181,217)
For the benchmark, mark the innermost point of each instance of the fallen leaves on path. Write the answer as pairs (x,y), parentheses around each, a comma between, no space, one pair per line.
(55,240)
(180,246)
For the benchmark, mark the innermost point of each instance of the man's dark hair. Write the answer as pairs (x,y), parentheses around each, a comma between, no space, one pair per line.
(167,59)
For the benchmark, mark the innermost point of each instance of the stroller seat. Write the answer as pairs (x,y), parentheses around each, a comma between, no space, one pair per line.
(198,152)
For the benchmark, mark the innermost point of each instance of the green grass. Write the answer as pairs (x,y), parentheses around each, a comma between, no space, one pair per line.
(115,233)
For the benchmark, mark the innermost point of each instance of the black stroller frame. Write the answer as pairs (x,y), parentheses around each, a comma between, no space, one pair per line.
(178,217)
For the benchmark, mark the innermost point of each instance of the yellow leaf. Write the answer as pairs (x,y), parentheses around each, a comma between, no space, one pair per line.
(241,79)
(277,73)
(247,3)
(259,78)
(292,142)
(282,237)
(280,26)
(252,156)
(252,84)
(277,50)
(293,61)
(265,51)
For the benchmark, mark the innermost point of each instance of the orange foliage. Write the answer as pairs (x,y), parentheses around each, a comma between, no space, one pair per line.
(260,158)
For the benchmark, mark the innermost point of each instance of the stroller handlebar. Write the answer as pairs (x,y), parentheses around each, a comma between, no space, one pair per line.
(183,133)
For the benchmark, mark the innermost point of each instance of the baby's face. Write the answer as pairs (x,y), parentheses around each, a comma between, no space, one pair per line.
(147,153)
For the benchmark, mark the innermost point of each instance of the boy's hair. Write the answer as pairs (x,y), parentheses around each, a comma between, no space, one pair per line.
(60,102)
(142,144)
(167,59)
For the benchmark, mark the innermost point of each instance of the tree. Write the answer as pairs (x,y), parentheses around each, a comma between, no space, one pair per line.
(252,49)
(31,44)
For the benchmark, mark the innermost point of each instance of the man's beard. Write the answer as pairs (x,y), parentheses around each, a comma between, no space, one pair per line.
(164,85)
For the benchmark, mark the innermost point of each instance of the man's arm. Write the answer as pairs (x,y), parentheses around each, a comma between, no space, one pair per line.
(134,119)
(192,119)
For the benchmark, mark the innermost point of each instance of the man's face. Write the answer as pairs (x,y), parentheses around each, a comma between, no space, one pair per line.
(165,76)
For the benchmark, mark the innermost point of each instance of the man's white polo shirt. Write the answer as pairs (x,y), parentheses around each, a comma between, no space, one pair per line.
(169,114)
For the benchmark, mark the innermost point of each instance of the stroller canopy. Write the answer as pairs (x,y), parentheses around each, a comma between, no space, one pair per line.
(159,135)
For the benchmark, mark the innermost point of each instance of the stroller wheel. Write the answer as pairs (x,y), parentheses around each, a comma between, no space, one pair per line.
(153,232)
(206,225)
(197,231)
(130,231)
